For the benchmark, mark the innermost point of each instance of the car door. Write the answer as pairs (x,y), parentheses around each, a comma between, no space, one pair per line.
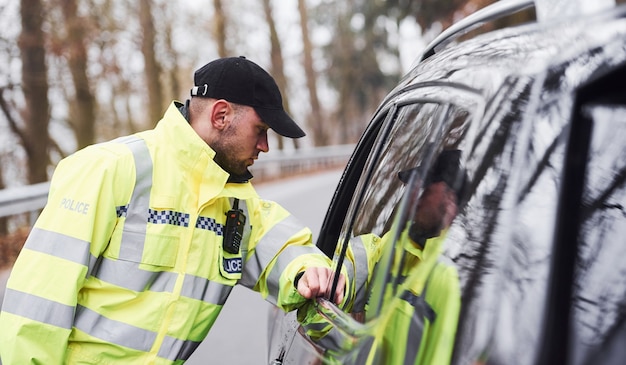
(406,133)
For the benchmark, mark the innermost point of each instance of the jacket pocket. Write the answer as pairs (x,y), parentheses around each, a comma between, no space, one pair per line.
(146,248)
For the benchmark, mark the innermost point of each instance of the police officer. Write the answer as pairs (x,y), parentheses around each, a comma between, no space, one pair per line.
(143,237)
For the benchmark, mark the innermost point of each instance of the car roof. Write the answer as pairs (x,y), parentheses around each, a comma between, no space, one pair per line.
(525,50)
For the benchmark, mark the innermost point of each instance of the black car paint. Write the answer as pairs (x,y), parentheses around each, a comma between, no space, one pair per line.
(524,77)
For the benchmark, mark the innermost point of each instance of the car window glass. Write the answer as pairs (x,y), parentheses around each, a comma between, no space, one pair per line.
(600,277)
(479,240)
(385,189)
(527,232)
(419,133)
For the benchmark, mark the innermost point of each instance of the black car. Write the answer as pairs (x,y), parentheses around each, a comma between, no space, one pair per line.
(538,112)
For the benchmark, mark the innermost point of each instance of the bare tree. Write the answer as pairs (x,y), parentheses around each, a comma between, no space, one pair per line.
(277,68)
(169,60)
(219,28)
(315,120)
(4,222)
(36,115)
(82,109)
(152,69)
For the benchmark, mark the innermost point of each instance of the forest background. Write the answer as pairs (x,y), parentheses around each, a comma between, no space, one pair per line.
(78,72)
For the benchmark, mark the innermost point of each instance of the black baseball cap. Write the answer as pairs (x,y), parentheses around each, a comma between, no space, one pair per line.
(447,168)
(241,81)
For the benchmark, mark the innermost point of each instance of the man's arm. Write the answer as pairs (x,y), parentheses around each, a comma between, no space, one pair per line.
(281,250)
(42,291)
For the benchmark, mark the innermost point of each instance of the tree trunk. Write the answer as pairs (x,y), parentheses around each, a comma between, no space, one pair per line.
(315,121)
(35,86)
(345,71)
(152,70)
(277,68)
(171,54)
(4,222)
(219,28)
(83,108)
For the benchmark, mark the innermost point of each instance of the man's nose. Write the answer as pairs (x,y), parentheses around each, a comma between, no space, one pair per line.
(263,144)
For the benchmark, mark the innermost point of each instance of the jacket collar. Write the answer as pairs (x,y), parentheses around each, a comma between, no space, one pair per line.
(176,118)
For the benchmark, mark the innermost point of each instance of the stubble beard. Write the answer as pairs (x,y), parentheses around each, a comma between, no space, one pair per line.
(225,149)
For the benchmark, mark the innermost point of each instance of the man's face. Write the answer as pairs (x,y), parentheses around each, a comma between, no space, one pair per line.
(436,209)
(241,141)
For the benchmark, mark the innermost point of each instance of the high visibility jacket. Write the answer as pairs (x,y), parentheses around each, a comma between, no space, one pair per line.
(397,339)
(430,294)
(125,263)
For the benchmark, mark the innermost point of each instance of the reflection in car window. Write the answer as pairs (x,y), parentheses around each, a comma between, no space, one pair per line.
(429,183)
(477,240)
(385,190)
(420,130)
(415,129)
(600,279)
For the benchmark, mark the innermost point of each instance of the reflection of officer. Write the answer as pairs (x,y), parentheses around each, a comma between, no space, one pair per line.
(424,313)
(436,307)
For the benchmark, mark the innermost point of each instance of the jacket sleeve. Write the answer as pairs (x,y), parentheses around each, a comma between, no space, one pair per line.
(280,247)
(361,255)
(45,282)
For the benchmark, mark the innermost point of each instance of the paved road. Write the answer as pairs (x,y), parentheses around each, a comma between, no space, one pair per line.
(239,336)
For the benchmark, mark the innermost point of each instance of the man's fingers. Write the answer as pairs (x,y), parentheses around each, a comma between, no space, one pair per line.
(317,282)
(339,292)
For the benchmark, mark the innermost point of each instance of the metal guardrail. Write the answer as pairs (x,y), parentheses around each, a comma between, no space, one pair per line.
(23,199)
(284,163)
(31,198)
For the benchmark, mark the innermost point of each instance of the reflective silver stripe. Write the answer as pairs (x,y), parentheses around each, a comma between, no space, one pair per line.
(38,309)
(113,331)
(422,311)
(332,340)
(127,274)
(414,336)
(360,261)
(348,265)
(174,349)
(316,326)
(285,257)
(269,245)
(123,334)
(93,261)
(134,233)
(206,290)
(58,245)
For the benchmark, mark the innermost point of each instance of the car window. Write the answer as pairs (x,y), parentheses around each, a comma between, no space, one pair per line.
(402,151)
(480,240)
(599,288)
(516,231)
(418,128)
(507,250)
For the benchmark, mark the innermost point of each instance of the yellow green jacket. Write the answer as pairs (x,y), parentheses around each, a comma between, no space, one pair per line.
(393,340)
(125,264)
(423,269)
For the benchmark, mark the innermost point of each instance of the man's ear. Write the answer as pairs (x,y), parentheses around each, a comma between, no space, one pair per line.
(219,112)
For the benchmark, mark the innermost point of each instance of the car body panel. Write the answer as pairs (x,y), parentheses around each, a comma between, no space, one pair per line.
(541,123)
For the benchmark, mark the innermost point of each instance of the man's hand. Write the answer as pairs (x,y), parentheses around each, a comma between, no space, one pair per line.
(317,282)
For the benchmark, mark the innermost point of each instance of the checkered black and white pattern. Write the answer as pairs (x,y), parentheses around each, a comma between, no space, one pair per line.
(210,224)
(168,217)
(121,211)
